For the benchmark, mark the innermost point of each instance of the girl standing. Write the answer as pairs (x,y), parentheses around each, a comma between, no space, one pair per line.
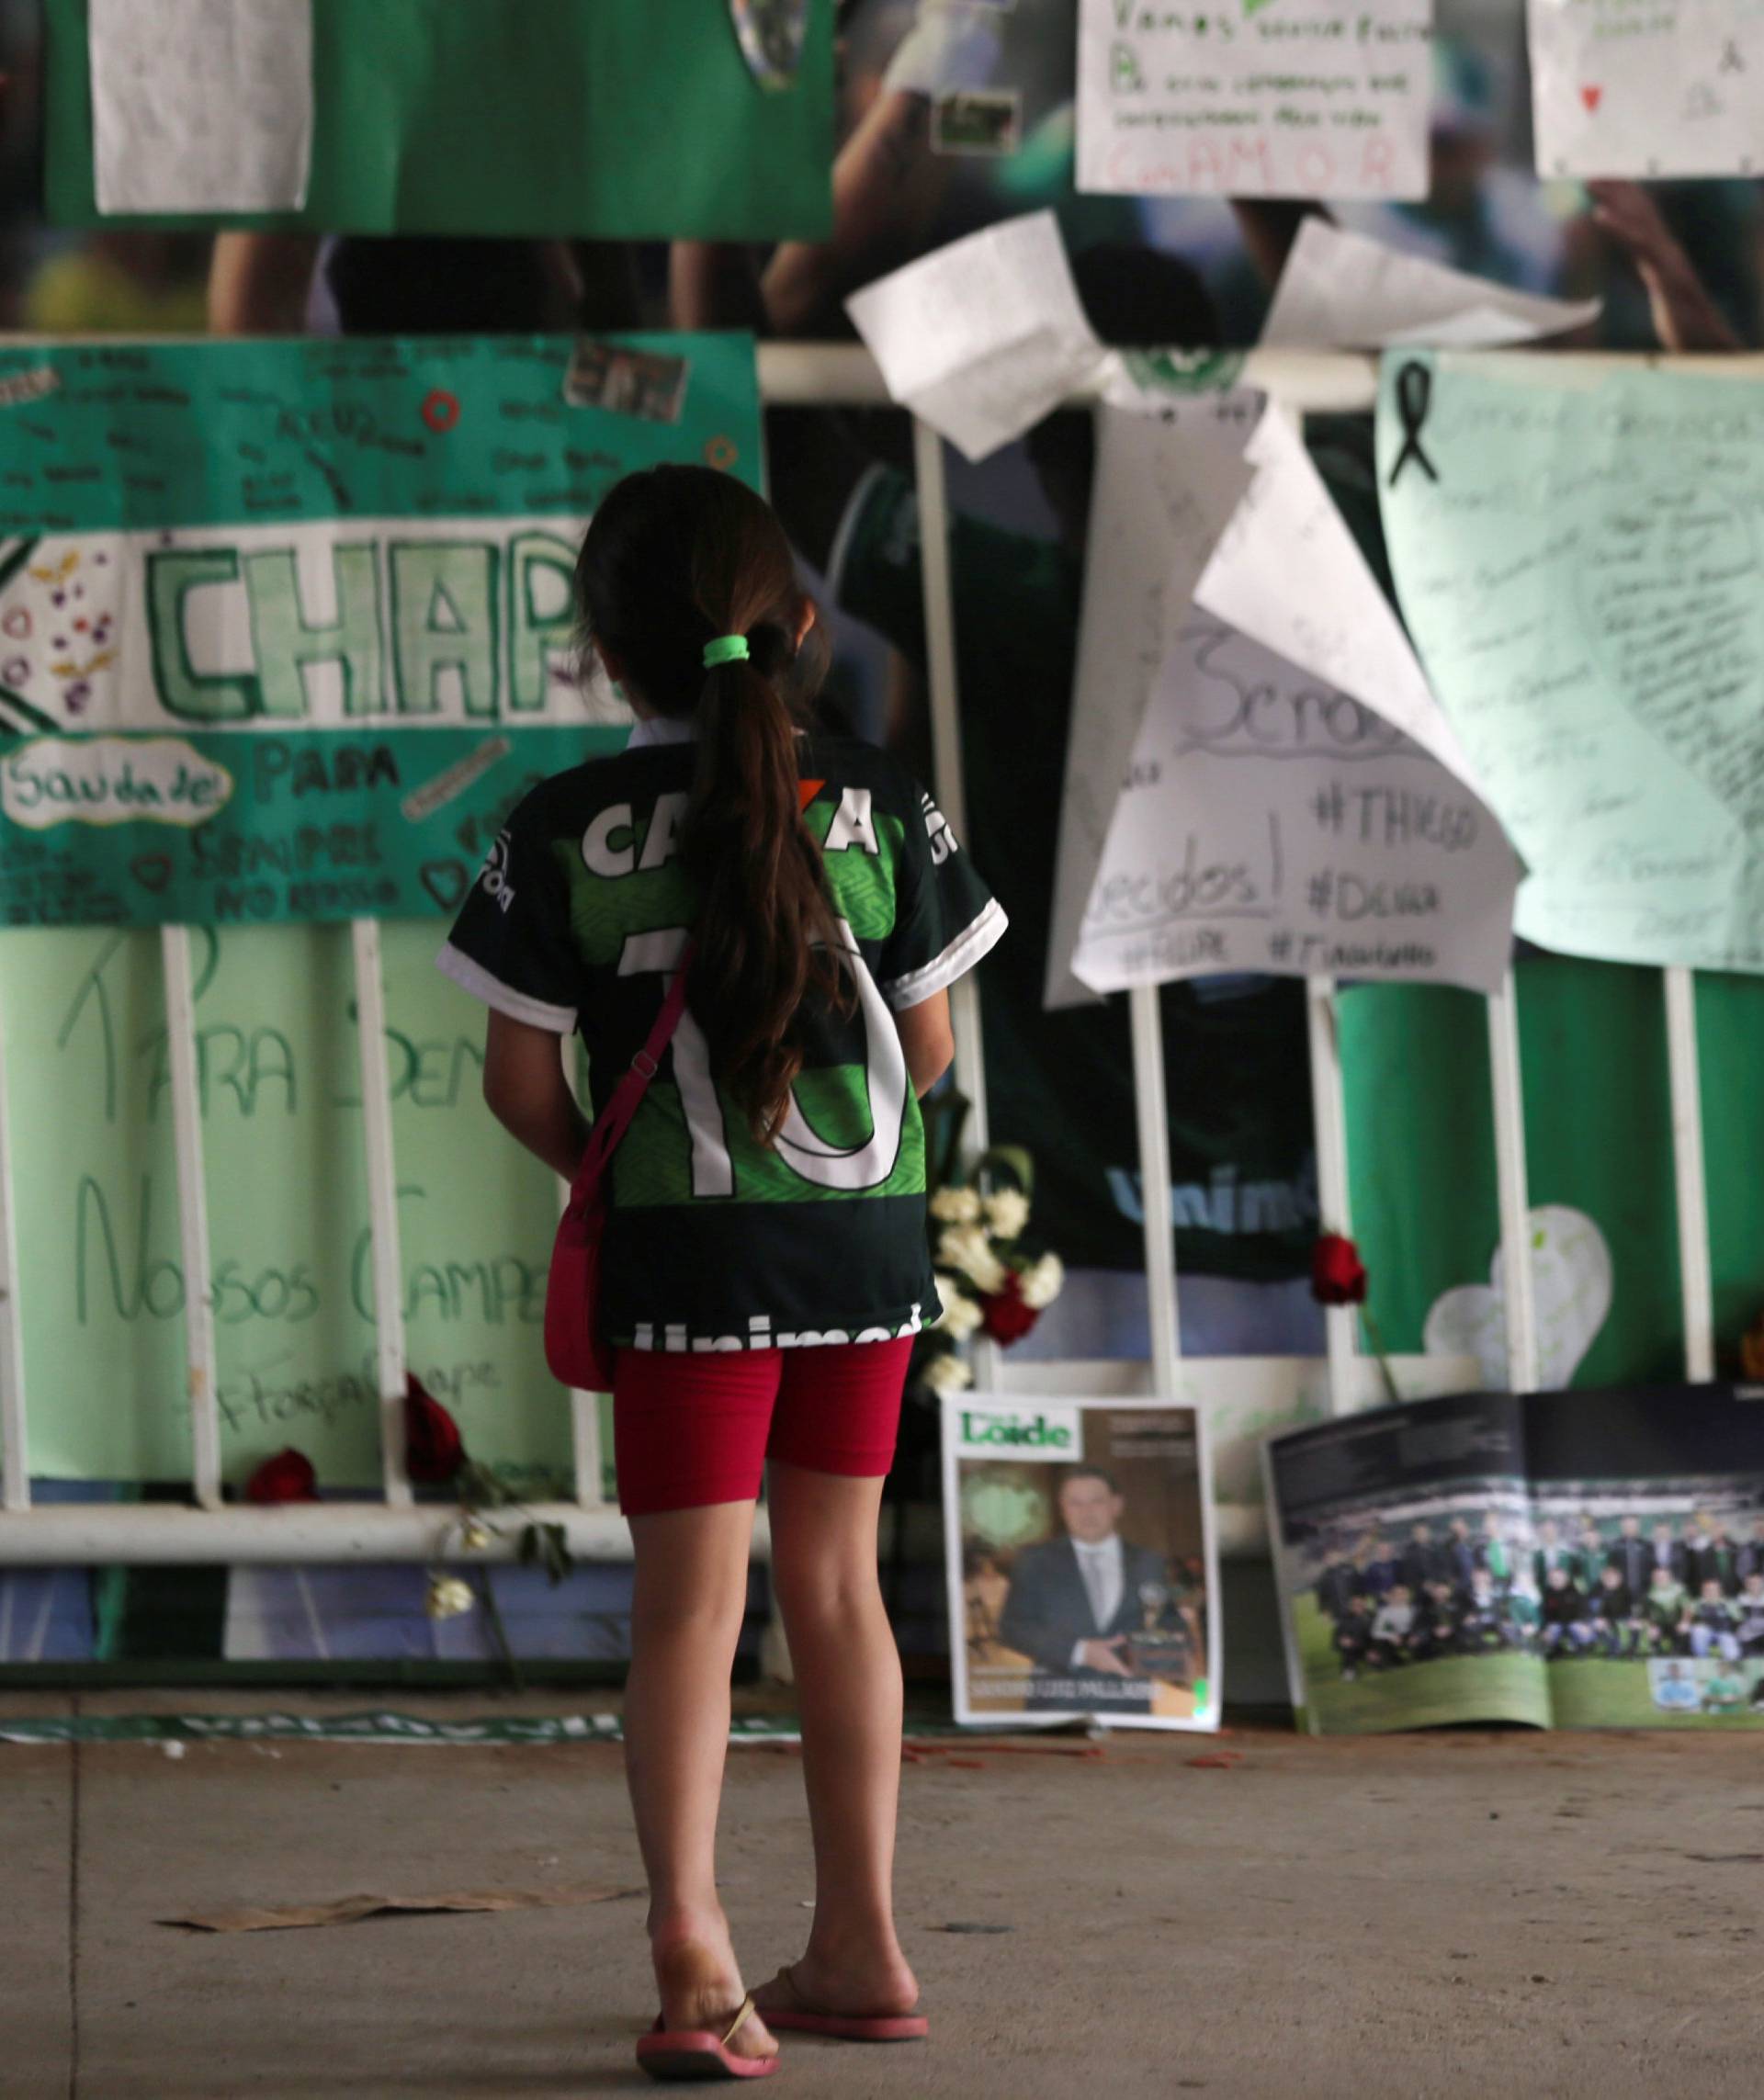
(765,1265)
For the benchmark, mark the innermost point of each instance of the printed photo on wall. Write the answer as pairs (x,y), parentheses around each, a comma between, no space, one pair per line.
(1082,1578)
(1570,1560)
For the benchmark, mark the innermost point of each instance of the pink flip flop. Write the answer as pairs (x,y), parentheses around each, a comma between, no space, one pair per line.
(699,2053)
(802,2019)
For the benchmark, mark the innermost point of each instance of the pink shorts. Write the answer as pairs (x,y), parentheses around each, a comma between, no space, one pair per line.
(691,1429)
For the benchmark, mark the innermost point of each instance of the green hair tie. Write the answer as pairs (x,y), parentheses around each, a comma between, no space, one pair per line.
(726,648)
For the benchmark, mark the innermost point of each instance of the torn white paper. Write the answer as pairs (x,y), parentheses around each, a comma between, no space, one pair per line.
(1674,87)
(1167,483)
(201,105)
(984,337)
(1274,98)
(1287,573)
(1270,822)
(1343,291)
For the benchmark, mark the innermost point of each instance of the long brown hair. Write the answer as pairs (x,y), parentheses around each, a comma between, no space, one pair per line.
(674,558)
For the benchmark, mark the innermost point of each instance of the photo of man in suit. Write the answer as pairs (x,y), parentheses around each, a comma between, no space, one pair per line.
(1424,1560)
(1075,1600)
(1378,1570)
(1337,1586)
(1460,1554)
(1751,1554)
(1669,1555)
(1633,1558)
(1720,1561)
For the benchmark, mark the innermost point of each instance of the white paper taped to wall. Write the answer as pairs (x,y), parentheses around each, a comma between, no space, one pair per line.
(984,337)
(1272,98)
(201,105)
(1344,291)
(1675,87)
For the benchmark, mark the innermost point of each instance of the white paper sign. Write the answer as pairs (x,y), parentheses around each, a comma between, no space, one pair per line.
(1648,88)
(1343,291)
(1271,822)
(1167,484)
(201,105)
(984,337)
(1255,98)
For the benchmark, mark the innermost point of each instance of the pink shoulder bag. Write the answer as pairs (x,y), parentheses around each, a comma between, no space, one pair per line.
(575,1349)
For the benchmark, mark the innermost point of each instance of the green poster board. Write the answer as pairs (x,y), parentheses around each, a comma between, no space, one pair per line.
(1599,1140)
(607,119)
(286,627)
(101,1288)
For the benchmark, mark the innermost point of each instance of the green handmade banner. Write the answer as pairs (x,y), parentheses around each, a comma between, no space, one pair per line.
(102,1285)
(607,119)
(286,627)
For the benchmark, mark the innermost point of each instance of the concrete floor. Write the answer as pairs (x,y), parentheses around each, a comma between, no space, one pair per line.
(1442,1915)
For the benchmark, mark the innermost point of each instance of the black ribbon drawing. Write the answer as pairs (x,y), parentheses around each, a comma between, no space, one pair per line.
(1414,397)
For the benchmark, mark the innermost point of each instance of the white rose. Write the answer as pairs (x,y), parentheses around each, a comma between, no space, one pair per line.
(1006,1212)
(955,1207)
(1042,1284)
(967,1248)
(961,1316)
(947,1374)
(449,1597)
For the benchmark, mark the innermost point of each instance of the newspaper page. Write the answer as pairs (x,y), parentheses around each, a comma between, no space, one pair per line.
(1649,1512)
(1404,1558)
(1576,1560)
(1083,1578)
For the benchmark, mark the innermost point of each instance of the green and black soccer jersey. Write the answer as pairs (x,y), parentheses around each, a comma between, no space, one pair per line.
(716,1242)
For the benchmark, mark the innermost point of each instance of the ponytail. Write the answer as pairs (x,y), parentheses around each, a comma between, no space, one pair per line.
(767,933)
(675,558)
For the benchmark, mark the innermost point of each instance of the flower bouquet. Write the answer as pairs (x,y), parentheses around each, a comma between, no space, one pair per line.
(992,1280)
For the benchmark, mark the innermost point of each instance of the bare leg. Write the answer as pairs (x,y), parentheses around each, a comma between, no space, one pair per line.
(848,1682)
(686,1616)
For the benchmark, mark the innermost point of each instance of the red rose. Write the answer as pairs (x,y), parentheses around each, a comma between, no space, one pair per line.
(287,1477)
(1003,1313)
(1337,1274)
(434,1448)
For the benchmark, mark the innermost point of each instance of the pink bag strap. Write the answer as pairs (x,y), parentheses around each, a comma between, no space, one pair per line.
(614,1119)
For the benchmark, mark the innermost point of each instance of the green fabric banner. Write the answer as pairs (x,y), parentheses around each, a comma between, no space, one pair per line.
(607,119)
(1598,1143)
(286,627)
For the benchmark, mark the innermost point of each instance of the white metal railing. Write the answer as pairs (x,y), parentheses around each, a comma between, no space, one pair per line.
(395,1527)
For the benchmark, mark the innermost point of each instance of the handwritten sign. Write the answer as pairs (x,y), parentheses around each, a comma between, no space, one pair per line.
(286,627)
(1648,88)
(1582,568)
(1255,98)
(102,1287)
(1271,822)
